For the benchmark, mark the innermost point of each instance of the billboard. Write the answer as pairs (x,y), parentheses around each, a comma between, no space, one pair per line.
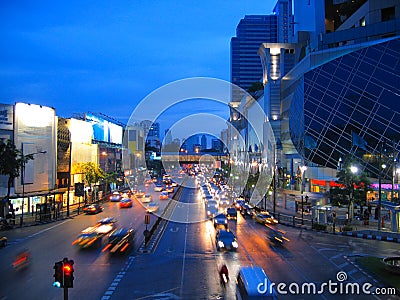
(35,133)
(6,116)
(104,130)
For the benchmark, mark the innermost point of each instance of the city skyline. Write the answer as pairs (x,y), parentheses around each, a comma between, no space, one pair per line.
(109,58)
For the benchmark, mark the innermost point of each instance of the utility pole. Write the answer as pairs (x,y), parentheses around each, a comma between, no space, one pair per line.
(380,185)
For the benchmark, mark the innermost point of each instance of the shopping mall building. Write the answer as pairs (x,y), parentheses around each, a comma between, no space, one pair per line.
(331,92)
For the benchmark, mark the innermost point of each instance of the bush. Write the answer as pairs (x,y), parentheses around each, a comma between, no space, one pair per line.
(319,227)
(347,228)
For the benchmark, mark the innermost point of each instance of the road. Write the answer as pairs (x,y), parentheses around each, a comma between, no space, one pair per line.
(184,262)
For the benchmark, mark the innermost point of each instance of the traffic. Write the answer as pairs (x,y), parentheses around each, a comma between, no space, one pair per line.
(249,242)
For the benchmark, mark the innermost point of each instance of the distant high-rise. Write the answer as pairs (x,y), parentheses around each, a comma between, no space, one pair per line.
(203,142)
(251,32)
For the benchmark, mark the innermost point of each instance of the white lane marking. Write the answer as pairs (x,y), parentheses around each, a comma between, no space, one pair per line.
(47,229)
(117,279)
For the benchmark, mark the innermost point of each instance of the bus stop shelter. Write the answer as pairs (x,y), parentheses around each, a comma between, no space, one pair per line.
(394,210)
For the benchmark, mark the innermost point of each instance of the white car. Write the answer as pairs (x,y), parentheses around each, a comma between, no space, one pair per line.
(147,198)
(158,188)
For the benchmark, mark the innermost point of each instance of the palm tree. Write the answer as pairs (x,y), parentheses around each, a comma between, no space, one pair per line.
(11,161)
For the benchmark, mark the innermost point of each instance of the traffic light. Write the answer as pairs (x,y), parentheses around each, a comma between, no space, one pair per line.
(58,274)
(68,270)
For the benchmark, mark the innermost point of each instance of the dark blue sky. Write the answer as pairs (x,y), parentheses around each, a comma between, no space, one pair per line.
(83,56)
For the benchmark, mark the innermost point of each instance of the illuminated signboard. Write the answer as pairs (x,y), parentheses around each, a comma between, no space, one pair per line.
(6,116)
(104,130)
(385,186)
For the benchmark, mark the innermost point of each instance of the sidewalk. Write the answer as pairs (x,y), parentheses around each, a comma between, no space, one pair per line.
(360,230)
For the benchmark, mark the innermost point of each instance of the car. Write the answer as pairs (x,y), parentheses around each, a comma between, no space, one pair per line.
(164,195)
(151,207)
(174,184)
(3,241)
(247,210)
(158,188)
(211,211)
(121,241)
(125,202)
(265,218)
(93,209)
(107,221)
(140,194)
(220,220)
(231,213)
(147,198)
(239,203)
(225,239)
(87,239)
(115,197)
(169,189)
(212,203)
(224,201)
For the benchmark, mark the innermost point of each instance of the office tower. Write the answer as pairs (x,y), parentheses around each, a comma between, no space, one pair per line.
(251,32)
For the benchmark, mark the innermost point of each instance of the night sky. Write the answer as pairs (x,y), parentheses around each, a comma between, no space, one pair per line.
(80,56)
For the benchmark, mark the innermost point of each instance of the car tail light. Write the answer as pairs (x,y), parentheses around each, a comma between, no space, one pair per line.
(106,248)
(124,247)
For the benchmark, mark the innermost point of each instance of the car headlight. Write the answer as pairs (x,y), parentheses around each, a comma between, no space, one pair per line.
(235,244)
(221,244)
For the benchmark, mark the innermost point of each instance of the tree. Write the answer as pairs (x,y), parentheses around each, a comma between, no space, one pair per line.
(92,172)
(354,182)
(11,161)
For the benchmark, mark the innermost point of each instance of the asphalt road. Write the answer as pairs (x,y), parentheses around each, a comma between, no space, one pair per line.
(184,262)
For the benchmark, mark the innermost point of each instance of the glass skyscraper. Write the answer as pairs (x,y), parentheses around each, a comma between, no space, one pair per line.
(251,31)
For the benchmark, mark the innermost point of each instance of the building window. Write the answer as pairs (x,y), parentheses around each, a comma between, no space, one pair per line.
(388,14)
(362,22)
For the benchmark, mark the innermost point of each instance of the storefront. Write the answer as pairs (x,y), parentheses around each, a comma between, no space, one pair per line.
(387,189)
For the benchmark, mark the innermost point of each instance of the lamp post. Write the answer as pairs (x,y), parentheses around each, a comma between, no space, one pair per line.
(353,170)
(303,169)
(23,179)
(380,186)
(393,177)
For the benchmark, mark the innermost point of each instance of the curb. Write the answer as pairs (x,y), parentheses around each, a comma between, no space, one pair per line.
(370,236)
(351,234)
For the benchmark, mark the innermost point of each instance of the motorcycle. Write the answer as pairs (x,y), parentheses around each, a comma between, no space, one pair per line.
(22,260)
(224,275)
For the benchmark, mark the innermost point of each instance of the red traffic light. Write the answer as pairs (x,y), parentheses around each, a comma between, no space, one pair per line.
(67,268)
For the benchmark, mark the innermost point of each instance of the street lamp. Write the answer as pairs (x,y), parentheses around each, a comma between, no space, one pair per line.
(23,178)
(350,212)
(303,169)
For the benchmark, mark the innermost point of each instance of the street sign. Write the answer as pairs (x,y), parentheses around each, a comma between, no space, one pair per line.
(147,219)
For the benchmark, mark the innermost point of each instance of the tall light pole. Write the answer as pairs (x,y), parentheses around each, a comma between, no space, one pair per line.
(380,185)
(353,170)
(23,179)
(394,173)
(303,169)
